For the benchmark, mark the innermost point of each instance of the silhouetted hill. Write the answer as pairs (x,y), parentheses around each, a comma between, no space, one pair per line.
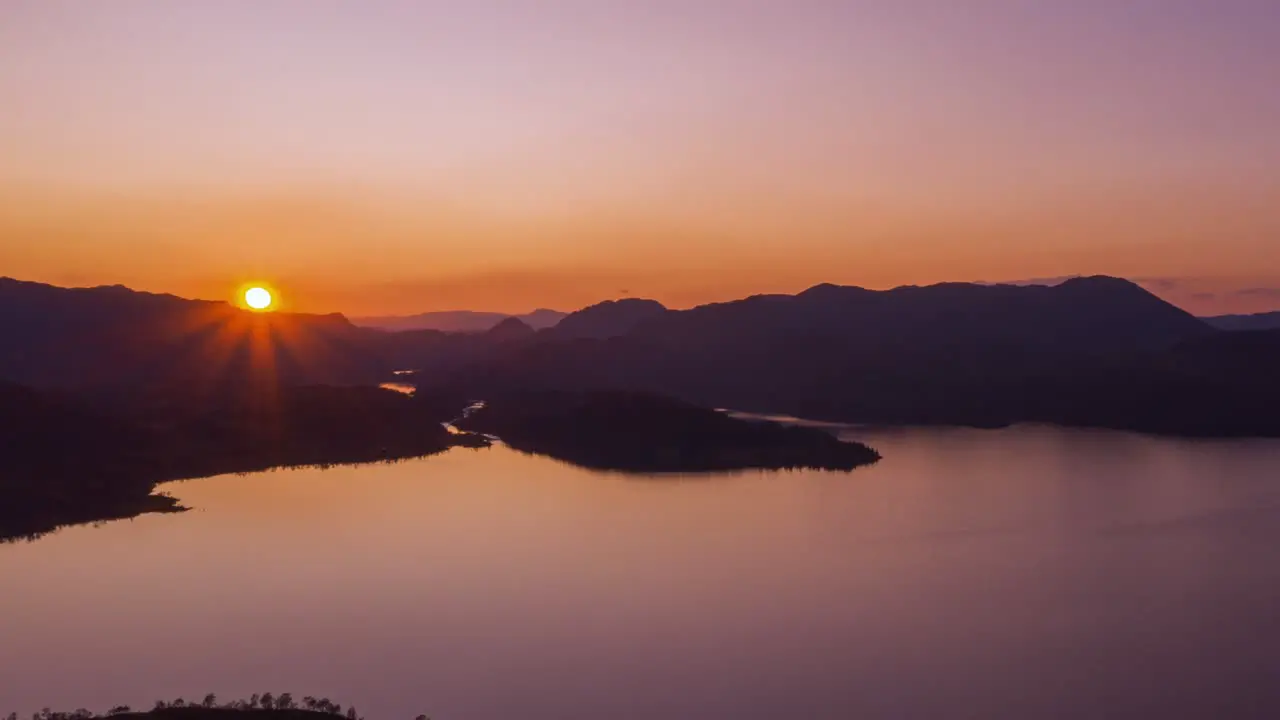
(110,336)
(1082,316)
(463,321)
(1090,351)
(641,432)
(70,458)
(831,337)
(63,462)
(116,338)
(611,318)
(542,318)
(1260,321)
(510,329)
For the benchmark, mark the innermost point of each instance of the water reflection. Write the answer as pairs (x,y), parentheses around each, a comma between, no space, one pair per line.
(1027,573)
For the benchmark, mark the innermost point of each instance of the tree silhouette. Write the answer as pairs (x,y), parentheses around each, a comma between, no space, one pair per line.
(264,702)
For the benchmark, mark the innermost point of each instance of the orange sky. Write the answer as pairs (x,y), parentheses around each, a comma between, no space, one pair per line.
(382,157)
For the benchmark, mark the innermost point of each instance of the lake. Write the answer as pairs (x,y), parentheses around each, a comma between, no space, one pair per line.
(1028,573)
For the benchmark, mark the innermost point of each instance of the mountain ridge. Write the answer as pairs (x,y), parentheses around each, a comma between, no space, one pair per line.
(111,335)
(468,321)
(1089,351)
(610,318)
(1095,351)
(1254,321)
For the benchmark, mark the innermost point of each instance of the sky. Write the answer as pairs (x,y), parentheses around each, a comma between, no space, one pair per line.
(382,157)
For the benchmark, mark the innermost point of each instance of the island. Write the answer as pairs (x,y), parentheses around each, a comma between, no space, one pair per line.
(648,433)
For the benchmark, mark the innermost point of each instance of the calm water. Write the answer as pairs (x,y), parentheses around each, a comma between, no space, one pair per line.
(1028,573)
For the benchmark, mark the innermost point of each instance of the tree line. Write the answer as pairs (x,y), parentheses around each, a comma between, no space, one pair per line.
(256,702)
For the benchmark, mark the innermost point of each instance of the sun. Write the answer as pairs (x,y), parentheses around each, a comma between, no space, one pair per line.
(258,298)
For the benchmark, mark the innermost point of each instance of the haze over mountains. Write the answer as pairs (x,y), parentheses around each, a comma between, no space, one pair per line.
(459,320)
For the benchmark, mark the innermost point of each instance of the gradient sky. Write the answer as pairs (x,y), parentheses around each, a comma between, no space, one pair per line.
(393,157)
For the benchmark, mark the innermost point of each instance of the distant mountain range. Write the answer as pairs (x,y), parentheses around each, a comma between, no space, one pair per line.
(1260,321)
(113,336)
(459,320)
(831,337)
(1094,351)
(1088,351)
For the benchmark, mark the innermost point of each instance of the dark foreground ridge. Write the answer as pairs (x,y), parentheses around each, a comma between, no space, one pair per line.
(67,459)
(259,707)
(647,433)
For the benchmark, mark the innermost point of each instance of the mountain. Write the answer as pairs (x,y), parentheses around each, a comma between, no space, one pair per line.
(829,337)
(1080,316)
(1260,321)
(611,318)
(459,321)
(114,336)
(1089,351)
(512,328)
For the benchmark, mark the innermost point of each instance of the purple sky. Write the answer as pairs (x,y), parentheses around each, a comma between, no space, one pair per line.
(404,156)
